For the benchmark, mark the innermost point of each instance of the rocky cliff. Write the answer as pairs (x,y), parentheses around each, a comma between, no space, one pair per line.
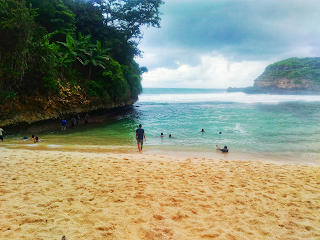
(31,109)
(290,76)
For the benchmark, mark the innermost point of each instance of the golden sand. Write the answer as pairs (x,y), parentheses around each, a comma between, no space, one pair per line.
(48,194)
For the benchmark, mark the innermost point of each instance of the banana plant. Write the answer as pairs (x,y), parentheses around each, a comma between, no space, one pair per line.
(97,57)
(84,51)
(71,49)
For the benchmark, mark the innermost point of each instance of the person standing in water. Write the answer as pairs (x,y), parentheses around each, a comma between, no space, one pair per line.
(86,119)
(63,125)
(139,136)
(1,134)
(73,122)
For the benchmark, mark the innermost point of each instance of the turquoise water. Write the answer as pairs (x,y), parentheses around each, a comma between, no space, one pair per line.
(267,127)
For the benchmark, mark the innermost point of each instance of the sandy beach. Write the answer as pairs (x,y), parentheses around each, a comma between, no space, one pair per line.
(48,194)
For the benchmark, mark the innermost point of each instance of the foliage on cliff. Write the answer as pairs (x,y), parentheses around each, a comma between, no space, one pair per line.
(289,76)
(296,69)
(81,47)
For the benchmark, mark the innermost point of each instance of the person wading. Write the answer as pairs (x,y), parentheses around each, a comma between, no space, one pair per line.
(139,136)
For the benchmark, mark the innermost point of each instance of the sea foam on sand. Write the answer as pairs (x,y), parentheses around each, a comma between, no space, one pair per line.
(48,194)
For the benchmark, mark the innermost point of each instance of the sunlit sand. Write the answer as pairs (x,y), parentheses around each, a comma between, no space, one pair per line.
(48,194)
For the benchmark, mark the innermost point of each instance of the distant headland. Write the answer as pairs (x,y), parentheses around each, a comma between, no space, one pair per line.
(289,76)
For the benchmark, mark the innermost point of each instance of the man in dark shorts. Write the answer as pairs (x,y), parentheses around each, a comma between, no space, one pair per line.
(63,125)
(139,136)
(224,150)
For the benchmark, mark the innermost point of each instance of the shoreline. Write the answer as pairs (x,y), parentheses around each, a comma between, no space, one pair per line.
(48,194)
(162,150)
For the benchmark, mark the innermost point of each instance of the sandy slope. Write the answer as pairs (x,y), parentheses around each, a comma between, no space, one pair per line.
(45,195)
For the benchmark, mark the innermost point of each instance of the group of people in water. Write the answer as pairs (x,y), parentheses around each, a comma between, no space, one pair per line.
(161,135)
(64,123)
(224,149)
(140,136)
(33,138)
(74,121)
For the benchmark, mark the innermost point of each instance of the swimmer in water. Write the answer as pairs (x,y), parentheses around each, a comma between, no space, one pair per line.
(37,140)
(224,150)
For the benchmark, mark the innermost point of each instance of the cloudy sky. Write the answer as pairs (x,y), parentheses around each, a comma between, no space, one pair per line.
(226,43)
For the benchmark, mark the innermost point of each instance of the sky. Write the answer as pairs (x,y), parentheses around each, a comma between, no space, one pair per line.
(226,43)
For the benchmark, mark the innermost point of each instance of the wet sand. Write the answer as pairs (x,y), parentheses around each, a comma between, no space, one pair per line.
(48,194)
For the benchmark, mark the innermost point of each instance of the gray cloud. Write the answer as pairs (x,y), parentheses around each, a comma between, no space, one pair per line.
(240,30)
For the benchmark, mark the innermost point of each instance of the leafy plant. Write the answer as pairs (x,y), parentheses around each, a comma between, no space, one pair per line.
(7,95)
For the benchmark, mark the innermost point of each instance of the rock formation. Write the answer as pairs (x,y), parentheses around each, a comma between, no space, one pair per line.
(290,76)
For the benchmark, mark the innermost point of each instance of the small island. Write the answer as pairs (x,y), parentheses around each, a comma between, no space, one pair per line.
(289,76)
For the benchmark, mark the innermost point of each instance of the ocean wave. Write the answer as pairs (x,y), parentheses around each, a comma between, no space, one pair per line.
(223,98)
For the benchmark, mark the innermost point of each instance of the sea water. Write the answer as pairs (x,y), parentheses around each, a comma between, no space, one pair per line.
(282,128)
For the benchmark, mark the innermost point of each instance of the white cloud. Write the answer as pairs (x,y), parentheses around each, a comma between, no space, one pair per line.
(226,43)
(212,72)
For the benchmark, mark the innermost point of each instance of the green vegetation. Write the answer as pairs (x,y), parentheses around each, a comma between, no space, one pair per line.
(58,48)
(297,69)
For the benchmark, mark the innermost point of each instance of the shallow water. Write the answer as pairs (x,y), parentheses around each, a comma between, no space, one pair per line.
(273,127)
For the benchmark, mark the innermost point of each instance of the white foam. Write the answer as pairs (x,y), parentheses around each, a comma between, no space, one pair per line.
(239,128)
(225,97)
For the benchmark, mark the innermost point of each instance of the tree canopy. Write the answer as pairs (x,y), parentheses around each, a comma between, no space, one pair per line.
(50,47)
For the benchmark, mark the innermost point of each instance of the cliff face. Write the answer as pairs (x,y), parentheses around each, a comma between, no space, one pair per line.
(290,76)
(27,109)
(293,75)
(34,109)
(267,83)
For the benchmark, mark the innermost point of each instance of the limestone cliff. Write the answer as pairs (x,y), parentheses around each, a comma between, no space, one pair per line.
(31,109)
(290,76)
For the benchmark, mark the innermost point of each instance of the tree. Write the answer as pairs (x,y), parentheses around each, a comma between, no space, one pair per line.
(17,29)
(54,16)
(89,20)
(144,69)
(129,15)
(97,57)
